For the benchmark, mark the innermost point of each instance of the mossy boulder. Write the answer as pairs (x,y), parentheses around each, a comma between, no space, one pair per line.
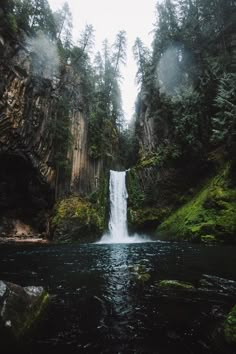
(149,160)
(210,212)
(76,219)
(146,218)
(230,327)
(175,284)
(140,273)
(20,309)
(208,239)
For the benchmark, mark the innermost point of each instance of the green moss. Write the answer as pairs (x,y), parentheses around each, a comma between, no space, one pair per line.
(140,215)
(149,160)
(146,217)
(77,219)
(35,315)
(210,212)
(12,23)
(135,192)
(102,204)
(74,207)
(24,322)
(175,284)
(230,326)
(140,273)
(208,238)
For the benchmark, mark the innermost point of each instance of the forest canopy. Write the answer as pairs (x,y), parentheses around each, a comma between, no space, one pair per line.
(186,79)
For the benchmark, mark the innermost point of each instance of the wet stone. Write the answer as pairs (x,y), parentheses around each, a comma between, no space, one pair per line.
(3,288)
(20,309)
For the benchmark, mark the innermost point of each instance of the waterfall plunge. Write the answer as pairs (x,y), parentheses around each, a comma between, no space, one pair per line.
(118,207)
(118,231)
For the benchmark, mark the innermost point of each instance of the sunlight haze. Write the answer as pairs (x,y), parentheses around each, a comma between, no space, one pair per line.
(108,17)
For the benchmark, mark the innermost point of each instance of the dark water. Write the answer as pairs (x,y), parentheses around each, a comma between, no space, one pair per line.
(100,307)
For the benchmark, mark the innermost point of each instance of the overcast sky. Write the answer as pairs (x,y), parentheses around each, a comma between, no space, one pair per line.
(108,17)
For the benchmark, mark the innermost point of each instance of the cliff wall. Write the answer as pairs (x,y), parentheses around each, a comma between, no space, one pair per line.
(29,113)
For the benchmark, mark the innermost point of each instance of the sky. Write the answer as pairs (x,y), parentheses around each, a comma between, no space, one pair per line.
(108,17)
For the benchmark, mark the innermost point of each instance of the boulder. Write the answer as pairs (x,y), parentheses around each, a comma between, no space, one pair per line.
(20,309)
(175,284)
(230,327)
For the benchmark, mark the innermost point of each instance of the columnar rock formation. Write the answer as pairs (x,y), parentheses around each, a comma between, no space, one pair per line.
(28,113)
(86,172)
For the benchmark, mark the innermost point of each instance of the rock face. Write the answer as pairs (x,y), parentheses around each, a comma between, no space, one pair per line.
(86,172)
(155,191)
(26,108)
(29,109)
(27,103)
(20,308)
(209,216)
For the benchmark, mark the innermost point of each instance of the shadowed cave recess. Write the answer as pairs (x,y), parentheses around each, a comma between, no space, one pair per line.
(24,198)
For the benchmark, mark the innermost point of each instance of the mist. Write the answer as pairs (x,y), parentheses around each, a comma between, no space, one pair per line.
(172,69)
(45,57)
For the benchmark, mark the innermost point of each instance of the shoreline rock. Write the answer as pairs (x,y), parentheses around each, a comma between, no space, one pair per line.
(20,310)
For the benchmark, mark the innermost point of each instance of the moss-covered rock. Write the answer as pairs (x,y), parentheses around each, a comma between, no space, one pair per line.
(146,218)
(149,160)
(210,212)
(76,219)
(140,215)
(140,273)
(20,309)
(208,239)
(175,284)
(135,192)
(230,326)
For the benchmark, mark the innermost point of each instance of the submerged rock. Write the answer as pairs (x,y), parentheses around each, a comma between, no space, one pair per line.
(140,273)
(218,285)
(230,326)
(20,308)
(175,284)
(208,239)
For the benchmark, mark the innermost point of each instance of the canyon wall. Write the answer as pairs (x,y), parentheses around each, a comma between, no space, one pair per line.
(29,109)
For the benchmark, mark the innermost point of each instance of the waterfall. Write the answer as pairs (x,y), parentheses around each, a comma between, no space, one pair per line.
(118,231)
(118,207)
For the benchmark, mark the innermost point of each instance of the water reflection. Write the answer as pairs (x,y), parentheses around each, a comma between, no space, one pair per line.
(118,278)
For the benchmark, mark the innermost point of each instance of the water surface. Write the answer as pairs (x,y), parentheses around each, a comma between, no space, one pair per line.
(99,306)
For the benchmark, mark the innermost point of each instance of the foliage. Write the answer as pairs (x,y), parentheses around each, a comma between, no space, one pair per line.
(166,152)
(105,113)
(76,219)
(210,212)
(224,123)
(230,326)
(63,26)
(146,218)
(136,195)
(128,147)
(186,86)
(188,121)
(93,88)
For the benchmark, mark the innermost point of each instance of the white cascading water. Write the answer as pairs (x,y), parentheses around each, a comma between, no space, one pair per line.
(118,207)
(118,231)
